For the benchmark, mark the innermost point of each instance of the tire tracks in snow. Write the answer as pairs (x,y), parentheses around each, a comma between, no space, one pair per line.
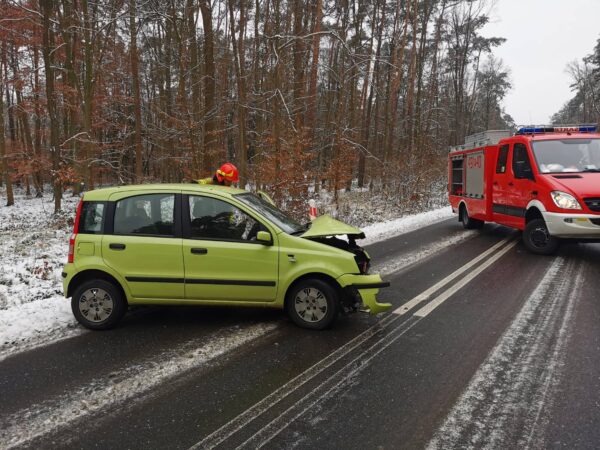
(507,402)
(127,385)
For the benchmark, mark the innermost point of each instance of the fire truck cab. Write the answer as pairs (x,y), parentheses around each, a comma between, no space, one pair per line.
(544,181)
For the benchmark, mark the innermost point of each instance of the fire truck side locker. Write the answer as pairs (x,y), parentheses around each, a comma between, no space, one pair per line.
(471,175)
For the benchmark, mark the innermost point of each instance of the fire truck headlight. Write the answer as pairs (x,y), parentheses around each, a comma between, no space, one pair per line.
(564,200)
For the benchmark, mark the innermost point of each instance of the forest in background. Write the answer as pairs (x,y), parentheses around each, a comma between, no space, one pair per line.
(584,107)
(301,95)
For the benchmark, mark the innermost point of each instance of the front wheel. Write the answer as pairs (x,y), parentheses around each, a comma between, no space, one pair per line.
(537,238)
(313,304)
(98,304)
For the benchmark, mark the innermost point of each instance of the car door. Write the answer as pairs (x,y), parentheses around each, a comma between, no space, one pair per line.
(499,185)
(521,187)
(143,243)
(223,261)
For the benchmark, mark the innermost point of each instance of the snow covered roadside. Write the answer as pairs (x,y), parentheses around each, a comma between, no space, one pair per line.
(33,250)
(386,230)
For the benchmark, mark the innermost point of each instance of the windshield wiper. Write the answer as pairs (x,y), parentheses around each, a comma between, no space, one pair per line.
(590,170)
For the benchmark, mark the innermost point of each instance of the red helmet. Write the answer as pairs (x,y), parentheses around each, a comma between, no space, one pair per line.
(227,172)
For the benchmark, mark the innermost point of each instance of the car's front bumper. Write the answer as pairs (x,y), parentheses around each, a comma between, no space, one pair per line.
(578,226)
(367,287)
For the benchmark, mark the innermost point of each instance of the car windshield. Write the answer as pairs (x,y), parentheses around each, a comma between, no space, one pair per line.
(265,209)
(567,155)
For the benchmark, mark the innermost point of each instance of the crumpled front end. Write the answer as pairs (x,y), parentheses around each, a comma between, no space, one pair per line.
(364,288)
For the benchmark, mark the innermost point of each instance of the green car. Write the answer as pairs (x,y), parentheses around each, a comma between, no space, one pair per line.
(187,244)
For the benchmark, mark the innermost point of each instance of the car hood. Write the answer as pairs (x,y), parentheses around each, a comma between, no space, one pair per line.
(326,225)
(583,184)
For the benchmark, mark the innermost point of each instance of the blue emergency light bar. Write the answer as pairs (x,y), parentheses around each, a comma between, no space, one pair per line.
(573,129)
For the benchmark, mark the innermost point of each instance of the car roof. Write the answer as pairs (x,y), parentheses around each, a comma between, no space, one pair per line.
(141,189)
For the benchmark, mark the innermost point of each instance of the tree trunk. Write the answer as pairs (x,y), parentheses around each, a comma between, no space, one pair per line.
(135,78)
(314,67)
(4,169)
(238,51)
(37,142)
(210,112)
(195,81)
(47,7)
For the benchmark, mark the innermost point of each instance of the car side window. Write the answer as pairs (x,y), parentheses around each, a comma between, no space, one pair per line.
(145,215)
(520,161)
(502,158)
(92,218)
(211,218)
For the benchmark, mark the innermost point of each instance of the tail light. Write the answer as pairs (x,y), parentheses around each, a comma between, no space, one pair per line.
(74,235)
(72,248)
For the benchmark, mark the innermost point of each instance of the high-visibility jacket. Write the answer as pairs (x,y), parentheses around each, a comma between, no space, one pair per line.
(209,180)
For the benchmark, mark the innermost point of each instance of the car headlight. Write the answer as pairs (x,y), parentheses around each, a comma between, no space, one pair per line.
(564,200)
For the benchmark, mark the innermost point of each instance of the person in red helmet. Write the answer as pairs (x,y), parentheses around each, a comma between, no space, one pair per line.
(224,176)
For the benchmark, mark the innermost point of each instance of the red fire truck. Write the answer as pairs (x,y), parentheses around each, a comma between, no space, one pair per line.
(544,181)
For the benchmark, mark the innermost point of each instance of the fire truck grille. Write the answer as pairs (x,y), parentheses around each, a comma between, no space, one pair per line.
(593,203)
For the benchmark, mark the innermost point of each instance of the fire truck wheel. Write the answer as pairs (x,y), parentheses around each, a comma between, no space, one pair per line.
(537,238)
(468,222)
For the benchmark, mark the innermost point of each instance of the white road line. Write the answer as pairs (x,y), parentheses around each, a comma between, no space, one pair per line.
(277,425)
(393,265)
(122,386)
(243,419)
(403,309)
(425,310)
(331,384)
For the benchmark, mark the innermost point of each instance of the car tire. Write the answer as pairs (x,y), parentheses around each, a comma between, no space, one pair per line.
(537,238)
(98,304)
(468,222)
(313,304)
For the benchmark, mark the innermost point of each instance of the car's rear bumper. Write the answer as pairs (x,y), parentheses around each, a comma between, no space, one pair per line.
(67,275)
(367,287)
(578,226)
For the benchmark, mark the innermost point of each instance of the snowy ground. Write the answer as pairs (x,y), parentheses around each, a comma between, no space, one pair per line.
(33,250)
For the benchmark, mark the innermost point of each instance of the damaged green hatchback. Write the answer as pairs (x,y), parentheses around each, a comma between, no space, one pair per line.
(183,244)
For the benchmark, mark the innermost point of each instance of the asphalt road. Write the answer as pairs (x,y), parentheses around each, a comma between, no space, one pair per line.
(488,347)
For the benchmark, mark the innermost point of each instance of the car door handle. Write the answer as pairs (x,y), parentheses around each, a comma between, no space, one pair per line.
(199,251)
(117,246)
(495,183)
(510,183)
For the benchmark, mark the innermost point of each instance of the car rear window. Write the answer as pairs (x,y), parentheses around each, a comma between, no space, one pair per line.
(91,220)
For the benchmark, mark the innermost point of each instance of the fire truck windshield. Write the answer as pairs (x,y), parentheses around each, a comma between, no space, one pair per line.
(567,155)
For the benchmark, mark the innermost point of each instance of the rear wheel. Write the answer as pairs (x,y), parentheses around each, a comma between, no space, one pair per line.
(98,304)
(468,222)
(313,304)
(537,238)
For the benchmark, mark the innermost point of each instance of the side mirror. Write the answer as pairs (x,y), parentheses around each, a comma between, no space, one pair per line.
(264,237)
